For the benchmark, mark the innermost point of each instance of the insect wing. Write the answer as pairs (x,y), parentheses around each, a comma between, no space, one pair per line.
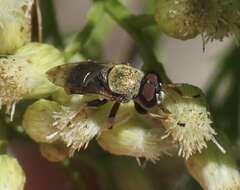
(86,78)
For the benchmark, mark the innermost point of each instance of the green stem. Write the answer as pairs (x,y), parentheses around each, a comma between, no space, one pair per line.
(95,14)
(50,26)
(126,20)
(3,139)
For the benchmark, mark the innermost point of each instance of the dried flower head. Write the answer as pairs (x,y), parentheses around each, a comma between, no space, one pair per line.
(23,75)
(12,176)
(188,123)
(214,170)
(15,24)
(134,136)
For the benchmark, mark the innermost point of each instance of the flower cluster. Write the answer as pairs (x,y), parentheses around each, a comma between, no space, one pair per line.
(188,122)
(185,19)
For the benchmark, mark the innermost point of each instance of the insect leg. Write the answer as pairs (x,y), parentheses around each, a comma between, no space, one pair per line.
(141,110)
(92,103)
(96,103)
(111,116)
(176,88)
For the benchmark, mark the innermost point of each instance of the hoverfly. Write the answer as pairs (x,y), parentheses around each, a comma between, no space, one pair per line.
(119,83)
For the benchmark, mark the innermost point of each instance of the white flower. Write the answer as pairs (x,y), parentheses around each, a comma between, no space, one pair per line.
(23,75)
(188,122)
(75,127)
(134,136)
(15,24)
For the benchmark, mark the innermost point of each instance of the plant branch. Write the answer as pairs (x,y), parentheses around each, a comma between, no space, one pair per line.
(50,26)
(95,14)
(126,20)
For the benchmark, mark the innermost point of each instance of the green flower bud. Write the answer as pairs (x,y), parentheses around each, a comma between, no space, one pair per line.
(179,18)
(188,122)
(134,136)
(16,24)
(23,75)
(38,119)
(214,170)
(54,152)
(46,121)
(77,126)
(12,176)
(185,19)
(222,20)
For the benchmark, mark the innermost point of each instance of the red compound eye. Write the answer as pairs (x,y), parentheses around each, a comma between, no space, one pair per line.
(148,90)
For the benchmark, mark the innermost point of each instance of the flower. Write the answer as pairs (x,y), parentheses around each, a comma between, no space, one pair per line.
(135,136)
(22,75)
(214,170)
(185,19)
(15,24)
(222,20)
(75,126)
(179,18)
(12,176)
(38,119)
(188,122)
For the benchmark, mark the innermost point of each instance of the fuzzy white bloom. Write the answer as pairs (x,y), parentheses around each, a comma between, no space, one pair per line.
(75,127)
(134,136)
(188,122)
(12,176)
(214,170)
(15,24)
(49,122)
(23,75)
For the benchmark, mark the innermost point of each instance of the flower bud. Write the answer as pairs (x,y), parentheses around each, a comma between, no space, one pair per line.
(188,122)
(179,18)
(16,27)
(77,126)
(47,122)
(134,136)
(38,119)
(23,75)
(54,152)
(214,170)
(185,19)
(222,20)
(12,176)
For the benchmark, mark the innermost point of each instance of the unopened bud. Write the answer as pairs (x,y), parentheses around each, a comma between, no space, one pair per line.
(12,176)
(214,170)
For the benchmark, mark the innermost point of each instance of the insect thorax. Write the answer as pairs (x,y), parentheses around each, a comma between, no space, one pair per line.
(125,80)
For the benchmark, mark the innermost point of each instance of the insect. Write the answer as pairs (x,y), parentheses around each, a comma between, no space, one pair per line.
(119,83)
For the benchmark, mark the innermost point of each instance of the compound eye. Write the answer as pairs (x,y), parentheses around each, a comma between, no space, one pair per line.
(148,91)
